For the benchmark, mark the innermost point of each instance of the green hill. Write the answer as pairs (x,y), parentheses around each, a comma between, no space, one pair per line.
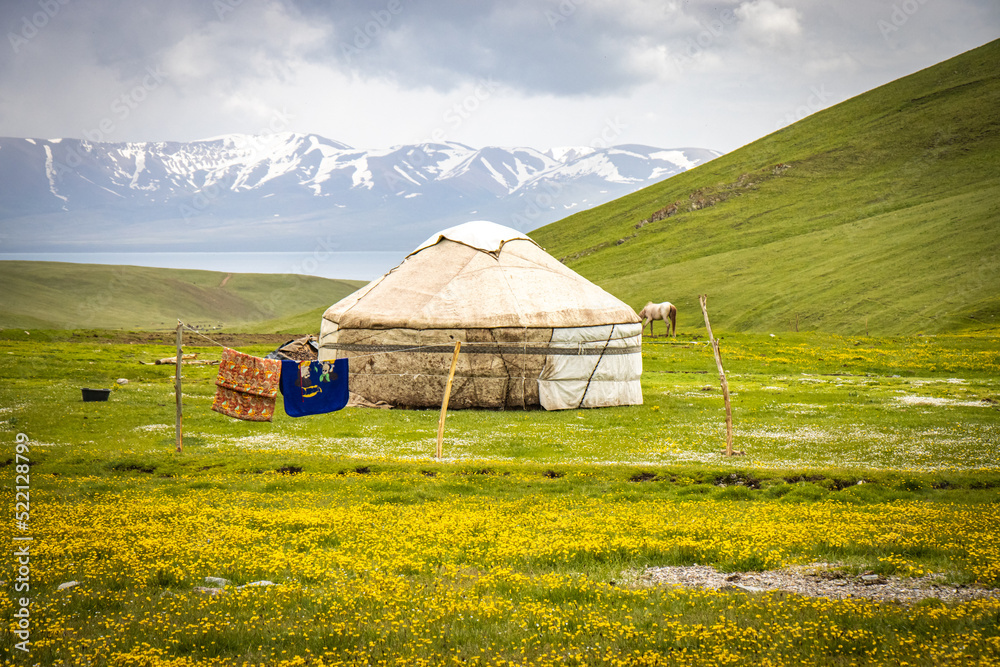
(297,323)
(884,209)
(56,295)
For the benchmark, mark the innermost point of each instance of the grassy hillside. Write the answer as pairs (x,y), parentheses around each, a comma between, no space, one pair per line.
(881,210)
(298,323)
(56,295)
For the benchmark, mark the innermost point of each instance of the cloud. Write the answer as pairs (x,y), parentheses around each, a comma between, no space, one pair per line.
(768,24)
(389,71)
(268,42)
(833,65)
(562,47)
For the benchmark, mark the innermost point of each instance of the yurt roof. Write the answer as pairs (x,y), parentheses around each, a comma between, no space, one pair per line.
(480,234)
(479,275)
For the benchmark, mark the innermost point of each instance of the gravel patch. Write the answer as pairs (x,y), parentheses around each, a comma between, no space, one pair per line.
(942,402)
(815,580)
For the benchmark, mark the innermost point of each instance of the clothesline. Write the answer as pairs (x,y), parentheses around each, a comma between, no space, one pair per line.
(496,347)
(215,342)
(356,356)
(198,333)
(523,379)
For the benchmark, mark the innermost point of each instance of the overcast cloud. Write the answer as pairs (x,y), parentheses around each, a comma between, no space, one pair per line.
(509,73)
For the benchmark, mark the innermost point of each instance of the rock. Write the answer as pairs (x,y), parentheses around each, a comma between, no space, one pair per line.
(121,381)
(209,591)
(68,584)
(741,587)
(870,578)
(257,583)
(218,582)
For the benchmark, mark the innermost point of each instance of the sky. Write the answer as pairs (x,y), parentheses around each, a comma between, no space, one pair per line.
(543,73)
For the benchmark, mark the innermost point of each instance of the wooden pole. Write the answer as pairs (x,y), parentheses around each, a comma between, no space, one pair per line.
(447,396)
(722,377)
(177,385)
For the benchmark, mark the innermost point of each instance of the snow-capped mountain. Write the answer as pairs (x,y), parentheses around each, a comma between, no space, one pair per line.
(294,191)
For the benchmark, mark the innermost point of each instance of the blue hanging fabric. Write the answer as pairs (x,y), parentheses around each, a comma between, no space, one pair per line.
(313,387)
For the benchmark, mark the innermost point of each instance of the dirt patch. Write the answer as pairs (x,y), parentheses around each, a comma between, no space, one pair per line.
(127,466)
(814,580)
(804,478)
(738,479)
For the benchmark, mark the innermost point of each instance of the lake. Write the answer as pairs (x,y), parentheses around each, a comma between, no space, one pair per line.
(358,265)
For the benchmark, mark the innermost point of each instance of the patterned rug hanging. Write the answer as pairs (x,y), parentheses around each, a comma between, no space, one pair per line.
(246,386)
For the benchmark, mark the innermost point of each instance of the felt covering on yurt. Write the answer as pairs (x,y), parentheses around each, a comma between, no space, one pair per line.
(532,330)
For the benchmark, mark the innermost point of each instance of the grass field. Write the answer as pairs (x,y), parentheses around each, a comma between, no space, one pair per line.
(59,295)
(876,455)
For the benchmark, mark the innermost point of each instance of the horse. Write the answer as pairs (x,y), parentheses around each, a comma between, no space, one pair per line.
(659,311)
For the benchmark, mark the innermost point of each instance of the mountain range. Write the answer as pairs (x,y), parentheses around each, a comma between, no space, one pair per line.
(297,191)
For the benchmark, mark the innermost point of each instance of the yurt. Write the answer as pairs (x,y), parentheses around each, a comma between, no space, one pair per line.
(533,332)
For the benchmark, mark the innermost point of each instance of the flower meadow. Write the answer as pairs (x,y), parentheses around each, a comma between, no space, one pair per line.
(340,540)
(481,567)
